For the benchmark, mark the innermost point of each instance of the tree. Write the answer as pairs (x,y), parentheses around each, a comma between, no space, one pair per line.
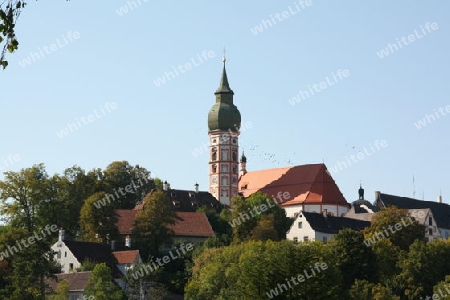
(443,288)
(424,266)
(9,12)
(258,270)
(248,214)
(62,291)
(101,285)
(22,194)
(98,222)
(364,290)
(27,265)
(396,225)
(127,183)
(354,259)
(151,226)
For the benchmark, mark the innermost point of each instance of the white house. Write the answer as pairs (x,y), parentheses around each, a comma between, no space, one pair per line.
(309,226)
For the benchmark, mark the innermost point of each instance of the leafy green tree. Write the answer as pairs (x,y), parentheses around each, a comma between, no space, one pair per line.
(442,289)
(396,225)
(364,290)
(22,194)
(354,259)
(219,224)
(97,221)
(28,265)
(424,266)
(258,270)
(101,285)
(9,12)
(248,213)
(151,226)
(129,184)
(62,291)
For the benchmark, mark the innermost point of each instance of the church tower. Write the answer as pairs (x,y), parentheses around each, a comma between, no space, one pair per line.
(224,121)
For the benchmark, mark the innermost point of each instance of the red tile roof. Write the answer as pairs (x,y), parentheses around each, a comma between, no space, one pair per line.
(77,281)
(306,184)
(125,220)
(188,223)
(192,224)
(126,257)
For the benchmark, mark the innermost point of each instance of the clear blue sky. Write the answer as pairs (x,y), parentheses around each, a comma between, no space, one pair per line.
(116,59)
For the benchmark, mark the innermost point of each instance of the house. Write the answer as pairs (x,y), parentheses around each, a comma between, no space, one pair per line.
(72,254)
(190,227)
(307,188)
(308,226)
(436,214)
(187,201)
(77,283)
(127,259)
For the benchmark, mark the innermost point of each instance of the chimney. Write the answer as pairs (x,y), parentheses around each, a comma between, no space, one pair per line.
(325,212)
(128,242)
(113,245)
(439,199)
(165,185)
(196,187)
(377,195)
(61,234)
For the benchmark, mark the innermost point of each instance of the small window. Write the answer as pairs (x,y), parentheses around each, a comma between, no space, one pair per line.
(71,267)
(324,239)
(234,141)
(299,224)
(430,231)
(65,253)
(296,240)
(59,254)
(305,238)
(430,221)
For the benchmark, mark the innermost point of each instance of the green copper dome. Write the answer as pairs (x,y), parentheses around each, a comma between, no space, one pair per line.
(224,114)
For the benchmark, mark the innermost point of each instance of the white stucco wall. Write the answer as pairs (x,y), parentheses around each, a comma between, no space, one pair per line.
(66,257)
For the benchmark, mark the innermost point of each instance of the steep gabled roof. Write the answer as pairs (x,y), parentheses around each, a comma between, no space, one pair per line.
(99,253)
(440,211)
(192,224)
(125,220)
(331,224)
(306,184)
(126,257)
(77,281)
(187,223)
(187,201)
